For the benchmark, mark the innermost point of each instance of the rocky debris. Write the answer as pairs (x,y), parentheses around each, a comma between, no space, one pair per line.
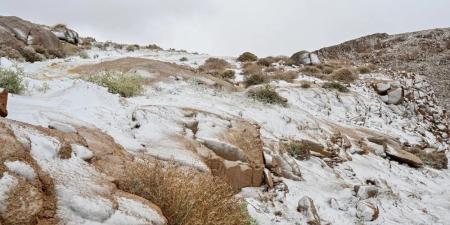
(430,156)
(3,102)
(421,52)
(21,39)
(384,146)
(305,58)
(391,92)
(366,191)
(367,211)
(268,179)
(308,209)
(65,34)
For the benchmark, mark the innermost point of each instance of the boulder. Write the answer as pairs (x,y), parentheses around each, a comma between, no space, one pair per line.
(17,34)
(382,87)
(305,58)
(308,209)
(65,34)
(3,102)
(367,211)
(403,156)
(395,96)
(268,178)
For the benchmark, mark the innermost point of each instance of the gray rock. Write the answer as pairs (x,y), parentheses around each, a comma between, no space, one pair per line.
(308,209)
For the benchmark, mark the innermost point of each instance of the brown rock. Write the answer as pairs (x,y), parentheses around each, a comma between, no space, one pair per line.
(3,102)
(403,156)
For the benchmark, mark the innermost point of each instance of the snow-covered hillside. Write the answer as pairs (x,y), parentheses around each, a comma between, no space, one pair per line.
(362,175)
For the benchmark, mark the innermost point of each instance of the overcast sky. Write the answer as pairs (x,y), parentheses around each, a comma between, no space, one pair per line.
(229,27)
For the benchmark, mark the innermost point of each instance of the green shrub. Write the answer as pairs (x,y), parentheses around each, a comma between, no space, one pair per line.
(298,150)
(254,79)
(183,59)
(247,57)
(344,75)
(268,95)
(127,85)
(84,55)
(227,74)
(12,80)
(335,85)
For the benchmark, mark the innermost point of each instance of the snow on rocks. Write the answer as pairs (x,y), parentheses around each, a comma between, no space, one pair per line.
(305,58)
(367,211)
(62,127)
(82,152)
(307,207)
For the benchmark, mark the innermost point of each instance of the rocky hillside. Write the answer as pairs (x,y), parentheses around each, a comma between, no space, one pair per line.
(128,134)
(424,52)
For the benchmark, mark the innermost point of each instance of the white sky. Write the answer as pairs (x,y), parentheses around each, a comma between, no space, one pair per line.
(229,27)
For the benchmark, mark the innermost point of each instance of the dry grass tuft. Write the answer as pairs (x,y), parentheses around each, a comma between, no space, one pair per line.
(287,76)
(344,75)
(334,85)
(214,65)
(268,95)
(254,79)
(364,69)
(186,196)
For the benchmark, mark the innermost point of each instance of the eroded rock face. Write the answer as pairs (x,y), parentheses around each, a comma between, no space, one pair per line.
(3,102)
(65,34)
(308,209)
(305,58)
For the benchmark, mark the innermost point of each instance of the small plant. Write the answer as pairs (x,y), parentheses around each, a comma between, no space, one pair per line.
(311,70)
(247,57)
(127,85)
(335,85)
(183,59)
(265,61)
(254,79)
(12,80)
(252,69)
(305,84)
(227,74)
(83,55)
(298,150)
(344,75)
(132,48)
(364,69)
(268,95)
(44,88)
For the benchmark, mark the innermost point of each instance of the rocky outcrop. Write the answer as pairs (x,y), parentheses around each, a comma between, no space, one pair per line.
(25,40)
(392,149)
(391,92)
(308,209)
(3,102)
(423,52)
(65,34)
(305,58)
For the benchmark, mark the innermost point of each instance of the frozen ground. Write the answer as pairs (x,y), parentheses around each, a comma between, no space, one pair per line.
(406,195)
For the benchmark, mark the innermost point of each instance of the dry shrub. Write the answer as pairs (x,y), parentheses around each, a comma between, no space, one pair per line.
(70,49)
(300,150)
(288,76)
(305,84)
(268,95)
(335,85)
(132,48)
(153,47)
(344,75)
(214,65)
(254,79)
(247,57)
(185,196)
(127,85)
(183,59)
(311,70)
(252,68)
(266,61)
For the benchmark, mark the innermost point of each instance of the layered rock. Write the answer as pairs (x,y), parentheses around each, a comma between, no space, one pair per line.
(305,58)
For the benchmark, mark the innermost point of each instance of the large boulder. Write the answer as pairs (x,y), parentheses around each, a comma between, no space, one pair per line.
(305,58)
(3,102)
(367,211)
(17,34)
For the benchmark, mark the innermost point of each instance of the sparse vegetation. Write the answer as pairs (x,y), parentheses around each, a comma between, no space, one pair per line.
(252,69)
(132,48)
(311,70)
(214,65)
(268,95)
(247,57)
(186,196)
(84,55)
(364,69)
(265,61)
(298,150)
(12,80)
(305,84)
(335,85)
(287,76)
(127,85)
(153,47)
(227,74)
(254,79)
(183,59)
(344,75)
